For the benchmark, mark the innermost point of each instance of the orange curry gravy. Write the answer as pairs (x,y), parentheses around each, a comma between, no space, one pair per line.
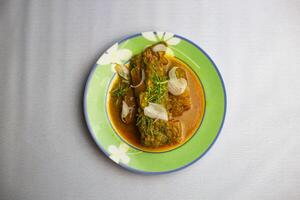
(190,119)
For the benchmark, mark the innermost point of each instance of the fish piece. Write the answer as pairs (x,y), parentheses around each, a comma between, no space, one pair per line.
(179,103)
(155,132)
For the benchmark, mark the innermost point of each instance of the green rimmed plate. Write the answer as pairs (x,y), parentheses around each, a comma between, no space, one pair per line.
(95,102)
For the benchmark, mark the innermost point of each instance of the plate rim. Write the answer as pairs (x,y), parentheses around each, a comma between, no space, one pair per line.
(93,135)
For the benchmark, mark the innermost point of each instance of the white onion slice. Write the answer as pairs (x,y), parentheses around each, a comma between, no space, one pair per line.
(123,71)
(140,83)
(172,73)
(176,86)
(159,47)
(156,111)
(125,110)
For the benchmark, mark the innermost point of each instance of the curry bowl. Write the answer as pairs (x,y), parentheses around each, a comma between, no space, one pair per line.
(180,128)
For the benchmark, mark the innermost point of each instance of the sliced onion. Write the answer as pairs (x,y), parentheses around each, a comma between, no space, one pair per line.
(159,47)
(140,83)
(123,71)
(125,110)
(176,86)
(156,111)
(172,73)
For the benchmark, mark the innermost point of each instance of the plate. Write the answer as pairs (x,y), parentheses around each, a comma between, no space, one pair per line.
(125,155)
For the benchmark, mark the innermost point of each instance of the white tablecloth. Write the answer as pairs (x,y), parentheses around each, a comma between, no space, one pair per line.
(47,49)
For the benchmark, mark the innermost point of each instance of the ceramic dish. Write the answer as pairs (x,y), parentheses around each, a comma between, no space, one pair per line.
(125,154)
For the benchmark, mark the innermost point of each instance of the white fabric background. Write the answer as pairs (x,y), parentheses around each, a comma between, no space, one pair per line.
(47,49)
